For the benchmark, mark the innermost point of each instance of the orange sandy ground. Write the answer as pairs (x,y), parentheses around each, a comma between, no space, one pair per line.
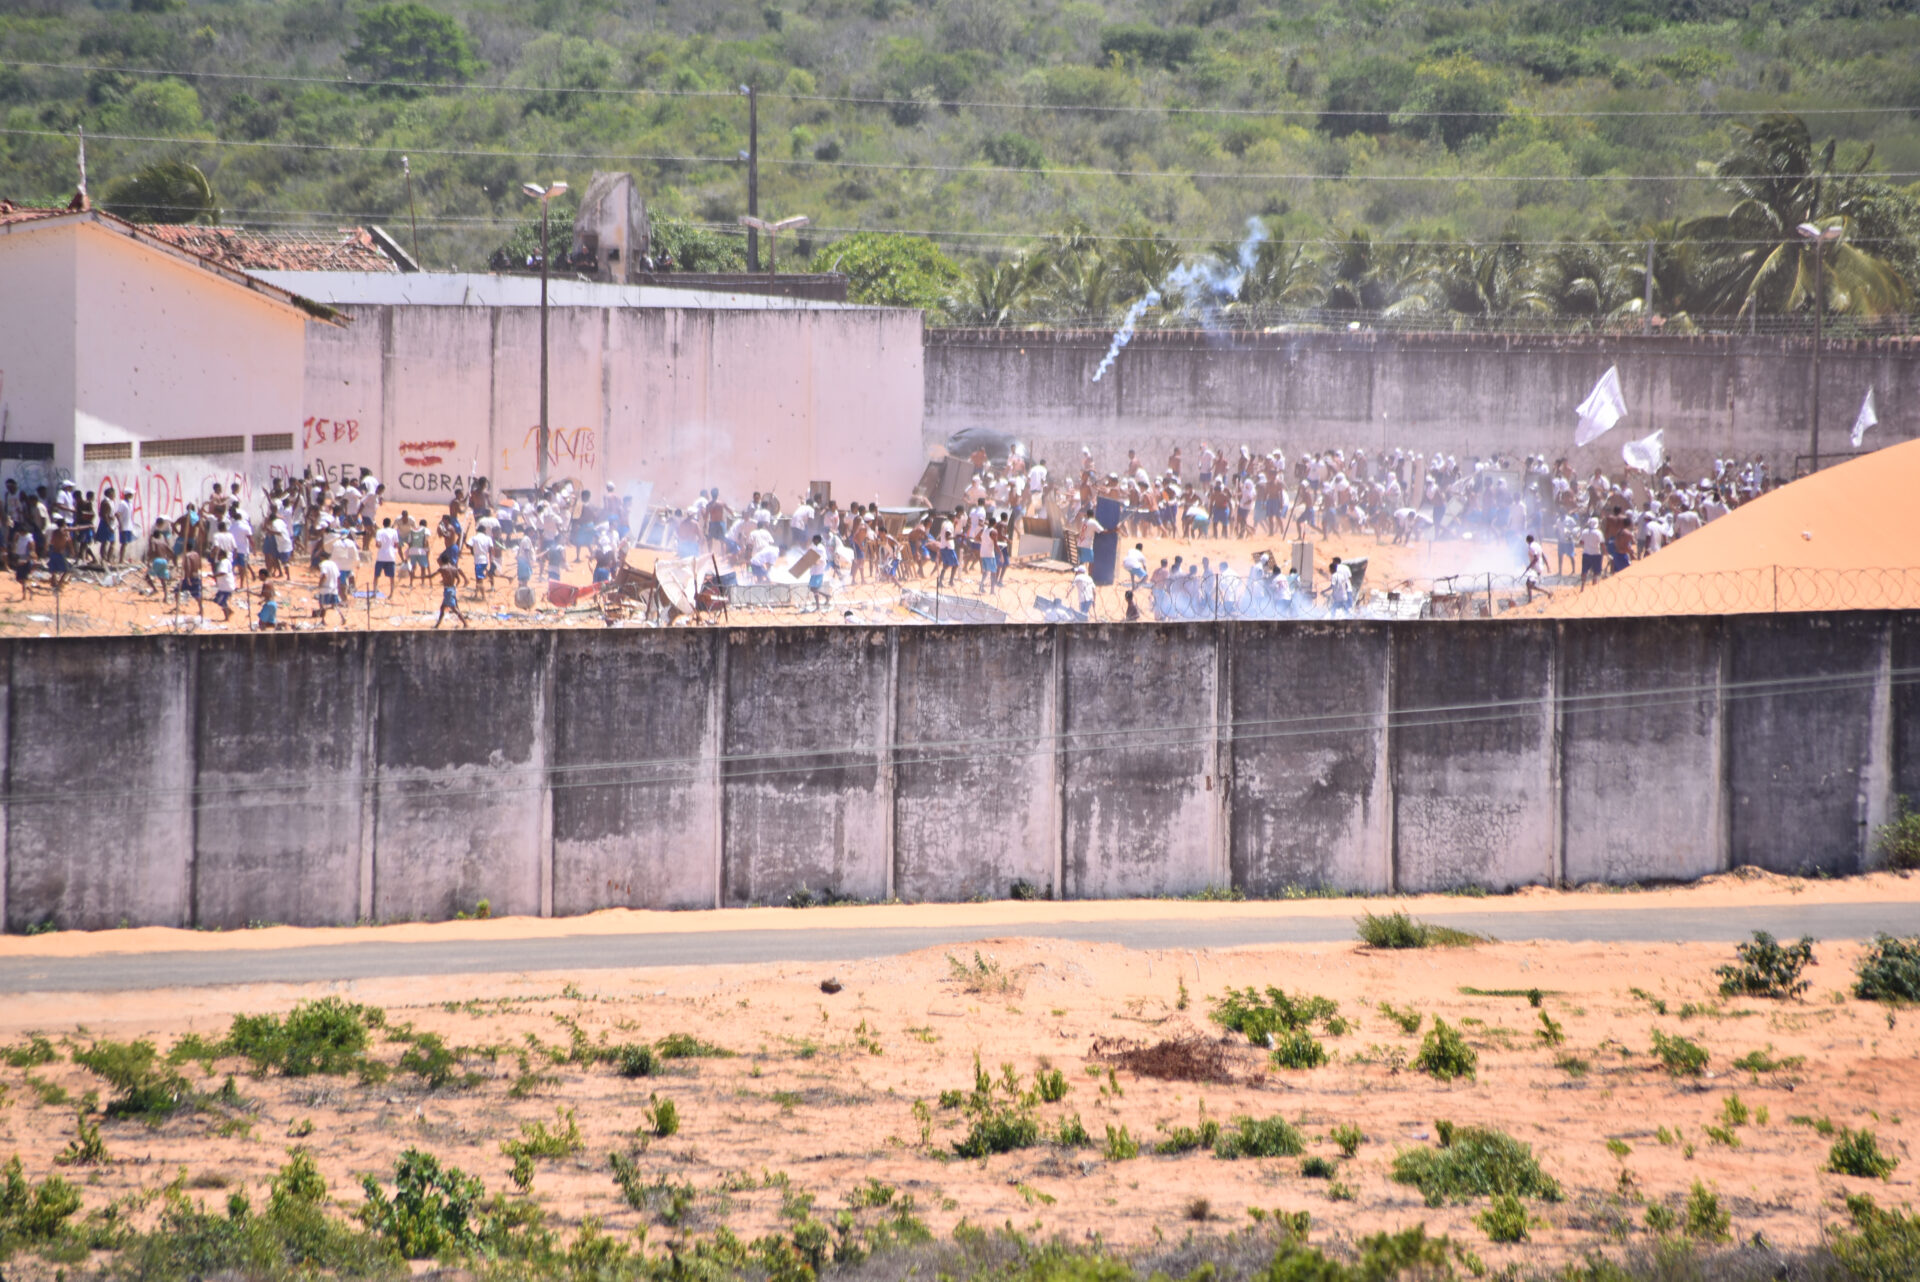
(823,1087)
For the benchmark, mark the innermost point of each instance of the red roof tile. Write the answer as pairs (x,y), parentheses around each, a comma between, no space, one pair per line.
(346,250)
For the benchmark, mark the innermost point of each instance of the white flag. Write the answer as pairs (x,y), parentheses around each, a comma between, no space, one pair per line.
(1866,420)
(1604,407)
(1644,454)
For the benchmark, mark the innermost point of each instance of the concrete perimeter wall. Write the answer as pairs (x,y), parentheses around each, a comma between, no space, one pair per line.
(1462,394)
(323,779)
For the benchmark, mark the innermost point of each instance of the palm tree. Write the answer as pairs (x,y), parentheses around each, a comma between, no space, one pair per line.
(1394,280)
(1283,275)
(1079,282)
(1754,255)
(1485,282)
(995,293)
(167,191)
(1595,281)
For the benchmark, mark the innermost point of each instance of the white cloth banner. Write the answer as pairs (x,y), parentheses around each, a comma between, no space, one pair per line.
(1604,407)
(1646,454)
(1866,420)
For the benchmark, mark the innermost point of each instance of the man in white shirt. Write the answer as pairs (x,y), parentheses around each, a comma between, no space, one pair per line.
(386,556)
(330,589)
(1135,563)
(482,546)
(346,556)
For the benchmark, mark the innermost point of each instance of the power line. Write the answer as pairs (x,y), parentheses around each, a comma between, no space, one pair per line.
(731,767)
(905,167)
(441,87)
(1333,241)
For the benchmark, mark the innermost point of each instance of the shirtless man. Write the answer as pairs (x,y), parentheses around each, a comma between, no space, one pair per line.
(450,577)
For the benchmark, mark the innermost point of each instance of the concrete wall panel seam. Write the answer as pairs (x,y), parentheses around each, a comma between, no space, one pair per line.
(369,777)
(545,745)
(719,712)
(194,798)
(1221,873)
(6,778)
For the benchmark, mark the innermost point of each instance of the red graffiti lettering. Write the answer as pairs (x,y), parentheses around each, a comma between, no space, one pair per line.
(570,444)
(423,460)
(419,447)
(324,431)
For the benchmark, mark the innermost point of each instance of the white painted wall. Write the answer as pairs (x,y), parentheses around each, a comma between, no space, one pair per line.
(37,350)
(167,350)
(683,397)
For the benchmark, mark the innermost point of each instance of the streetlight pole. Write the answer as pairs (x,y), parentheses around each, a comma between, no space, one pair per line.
(1820,236)
(753,174)
(545,196)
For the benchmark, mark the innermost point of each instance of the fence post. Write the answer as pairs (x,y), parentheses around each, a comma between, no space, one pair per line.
(1776,589)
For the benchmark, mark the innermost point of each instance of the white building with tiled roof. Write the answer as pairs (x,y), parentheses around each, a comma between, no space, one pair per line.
(130,356)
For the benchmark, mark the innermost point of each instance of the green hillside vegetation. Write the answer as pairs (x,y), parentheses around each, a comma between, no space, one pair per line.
(1462,160)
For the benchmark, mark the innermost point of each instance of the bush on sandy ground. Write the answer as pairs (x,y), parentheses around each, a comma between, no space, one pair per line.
(1766,968)
(1474,1161)
(1397,930)
(1890,972)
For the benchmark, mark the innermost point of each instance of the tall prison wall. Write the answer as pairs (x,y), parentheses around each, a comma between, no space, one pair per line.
(328,778)
(1463,394)
(760,399)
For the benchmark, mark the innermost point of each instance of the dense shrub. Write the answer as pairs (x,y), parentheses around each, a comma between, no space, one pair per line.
(1890,972)
(1471,1162)
(1765,968)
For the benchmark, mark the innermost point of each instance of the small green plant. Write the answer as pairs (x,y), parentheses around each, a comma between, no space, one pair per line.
(1550,1032)
(663,1116)
(1050,1084)
(431,1213)
(537,1141)
(34,1213)
(1734,1111)
(1899,840)
(1573,1065)
(984,977)
(1765,968)
(1703,1218)
(1262,1019)
(1444,1054)
(1315,1167)
(86,1148)
(326,1036)
(33,1053)
(1858,1153)
(1183,1139)
(1680,1056)
(1820,1125)
(1722,1135)
(1120,1146)
(429,1058)
(522,1172)
(1474,1161)
(1879,1246)
(1348,1138)
(1619,1148)
(686,1046)
(999,1129)
(635,1060)
(1661,1219)
(1249,1137)
(1762,1061)
(1505,1219)
(149,1087)
(1890,971)
(1398,930)
(1298,1049)
(1408,1019)
(1072,1133)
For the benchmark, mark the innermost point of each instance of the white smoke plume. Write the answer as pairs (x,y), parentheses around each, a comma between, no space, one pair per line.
(1204,286)
(1124,335)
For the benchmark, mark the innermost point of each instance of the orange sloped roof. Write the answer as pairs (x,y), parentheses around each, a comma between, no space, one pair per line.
(1847,538)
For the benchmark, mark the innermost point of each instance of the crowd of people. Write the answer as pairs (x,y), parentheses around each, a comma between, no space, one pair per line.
(335,526)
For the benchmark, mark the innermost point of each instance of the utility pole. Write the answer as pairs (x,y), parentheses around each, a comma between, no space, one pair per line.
(545,196)
(753,175)
(1646,322)
(1820,236)
(413,219)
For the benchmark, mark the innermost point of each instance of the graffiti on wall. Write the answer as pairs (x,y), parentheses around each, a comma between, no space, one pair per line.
(569,449)
(423,467)
(329,431)
(163,491)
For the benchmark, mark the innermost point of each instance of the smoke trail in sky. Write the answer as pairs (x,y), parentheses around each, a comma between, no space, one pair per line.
(1203,286)
(1124,334)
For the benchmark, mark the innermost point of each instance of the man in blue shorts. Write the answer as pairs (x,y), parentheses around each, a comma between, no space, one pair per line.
(449,590)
